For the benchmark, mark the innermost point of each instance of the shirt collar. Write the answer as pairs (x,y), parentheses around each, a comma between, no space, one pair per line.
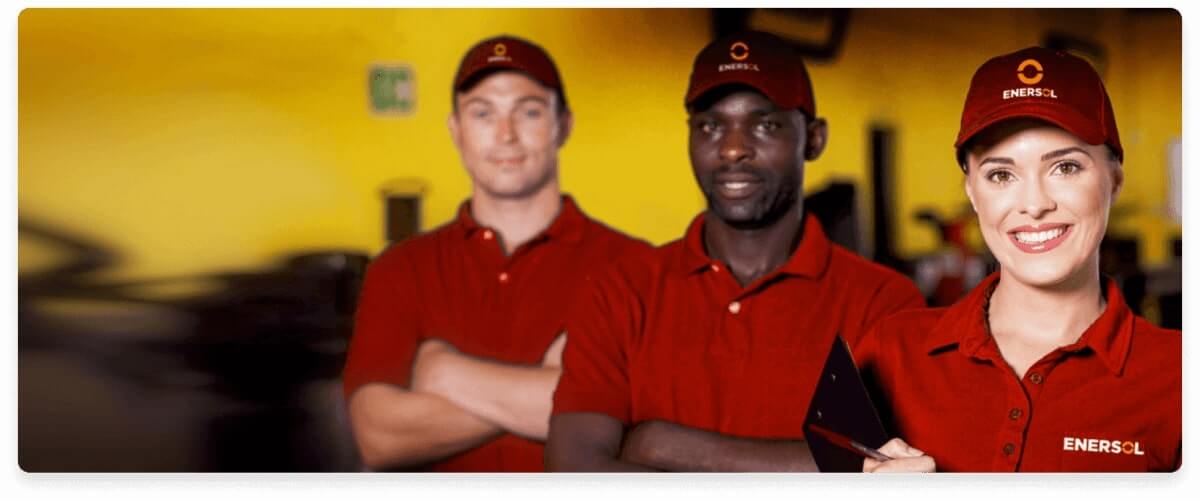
(963,322)
(809,259)
(568,225)
(1109,336)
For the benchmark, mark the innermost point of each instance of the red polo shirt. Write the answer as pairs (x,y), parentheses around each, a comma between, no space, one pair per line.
(1109,402)
(455,283)
(671,335)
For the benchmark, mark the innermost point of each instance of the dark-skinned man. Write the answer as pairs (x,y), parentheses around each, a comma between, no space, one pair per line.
(703,354)
(459,332)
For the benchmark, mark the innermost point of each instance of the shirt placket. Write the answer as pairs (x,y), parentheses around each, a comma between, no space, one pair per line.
(1023,395)
(1035,380)
(734,331)
(1017,409)
(1016,414)
(499,281)
(498,264)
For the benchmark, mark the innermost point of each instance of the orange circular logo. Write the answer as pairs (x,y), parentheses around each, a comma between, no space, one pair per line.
(499,49)
(1026,64)
(739,51)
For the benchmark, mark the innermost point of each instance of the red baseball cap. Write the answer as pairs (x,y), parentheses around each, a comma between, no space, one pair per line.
(1046,84)
(509,52)
(764,61)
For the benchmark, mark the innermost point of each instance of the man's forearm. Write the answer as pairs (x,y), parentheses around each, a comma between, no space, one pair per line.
(517,398)
(397,428)
(587,442)
(673,447)
(596,463)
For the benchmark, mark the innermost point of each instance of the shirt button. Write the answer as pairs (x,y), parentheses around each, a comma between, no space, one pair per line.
(1009,448)
(735,307)
(1014,413)
(715,268)
(503,277)
(1036,378)
(487,234)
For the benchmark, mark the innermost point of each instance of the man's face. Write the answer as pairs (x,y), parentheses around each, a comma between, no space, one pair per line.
(748,157)
(508,131)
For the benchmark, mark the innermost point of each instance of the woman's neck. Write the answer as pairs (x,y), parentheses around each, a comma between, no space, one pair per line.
(1029,321)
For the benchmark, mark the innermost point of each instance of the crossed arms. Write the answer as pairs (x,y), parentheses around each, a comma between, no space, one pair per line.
(456,402)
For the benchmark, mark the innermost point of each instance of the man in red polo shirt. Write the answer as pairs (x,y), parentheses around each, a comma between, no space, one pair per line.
(703,354)
(459,332)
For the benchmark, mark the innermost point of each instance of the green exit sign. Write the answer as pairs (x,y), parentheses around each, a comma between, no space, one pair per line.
(392,89)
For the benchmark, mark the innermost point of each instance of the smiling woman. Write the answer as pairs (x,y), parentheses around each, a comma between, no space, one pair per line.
(1036,187)
(1044,353)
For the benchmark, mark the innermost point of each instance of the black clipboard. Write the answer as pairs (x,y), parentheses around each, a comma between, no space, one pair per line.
(842,404)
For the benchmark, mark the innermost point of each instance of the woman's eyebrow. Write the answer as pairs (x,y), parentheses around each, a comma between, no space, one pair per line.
(1063,152)
(997,159)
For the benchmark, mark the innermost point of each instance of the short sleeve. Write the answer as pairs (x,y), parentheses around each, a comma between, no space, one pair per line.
(876,357)
(595,377)
(897,293)
(386,326)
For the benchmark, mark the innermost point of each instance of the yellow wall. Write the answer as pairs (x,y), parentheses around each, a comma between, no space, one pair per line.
(202,140)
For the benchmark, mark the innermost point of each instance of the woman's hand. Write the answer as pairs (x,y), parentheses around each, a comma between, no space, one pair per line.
(905,458)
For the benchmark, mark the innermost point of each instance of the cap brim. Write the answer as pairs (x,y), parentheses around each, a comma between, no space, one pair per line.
(697,92)
(474,74)
(1062,116)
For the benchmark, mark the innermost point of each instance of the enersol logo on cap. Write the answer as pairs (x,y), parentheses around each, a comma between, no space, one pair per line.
(738,51)
(1114,446)
(1037,71)
(499,53)
(1028,77)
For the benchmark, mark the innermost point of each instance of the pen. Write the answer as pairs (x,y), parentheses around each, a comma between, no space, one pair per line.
(849,444)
